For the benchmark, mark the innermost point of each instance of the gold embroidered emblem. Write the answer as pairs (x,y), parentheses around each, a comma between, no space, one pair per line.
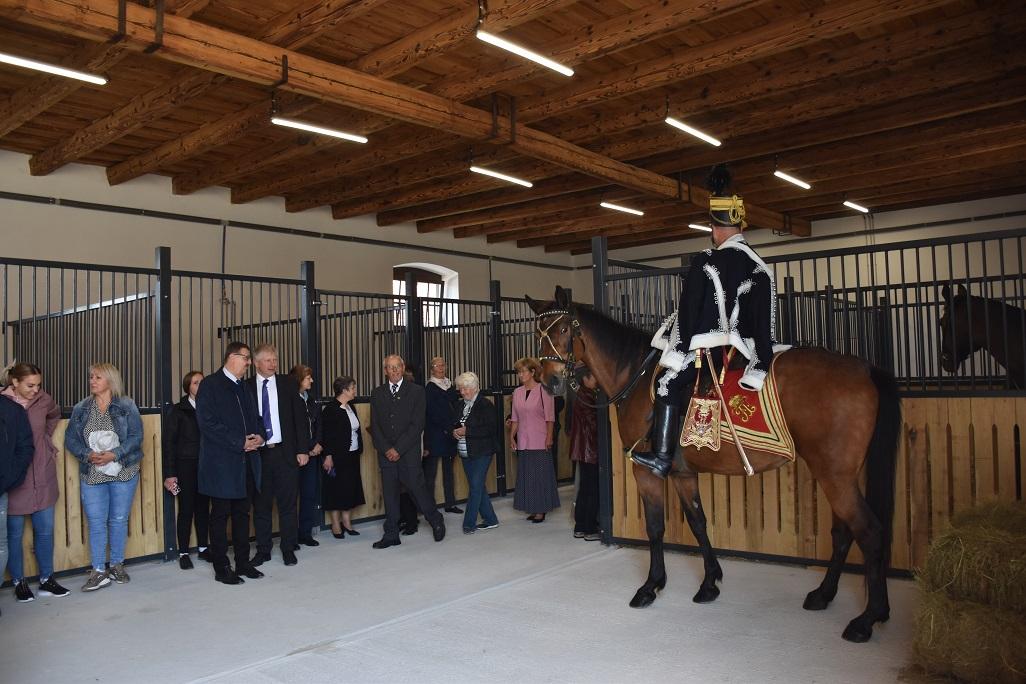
(702,424)
(742,409)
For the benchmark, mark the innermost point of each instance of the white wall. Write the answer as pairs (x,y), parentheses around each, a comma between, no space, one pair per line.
(51,231)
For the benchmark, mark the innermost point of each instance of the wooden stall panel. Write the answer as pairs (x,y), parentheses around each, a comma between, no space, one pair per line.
(953,454)
(71,532)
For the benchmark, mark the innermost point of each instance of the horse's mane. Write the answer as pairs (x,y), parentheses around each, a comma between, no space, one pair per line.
(625,345)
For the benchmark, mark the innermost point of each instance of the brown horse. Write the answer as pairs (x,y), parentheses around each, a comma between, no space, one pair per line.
(842,412)
(970,323)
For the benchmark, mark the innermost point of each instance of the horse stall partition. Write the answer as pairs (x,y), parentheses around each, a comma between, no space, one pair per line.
(961,439)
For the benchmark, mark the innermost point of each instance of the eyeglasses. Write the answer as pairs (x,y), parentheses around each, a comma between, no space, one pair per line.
(245,356)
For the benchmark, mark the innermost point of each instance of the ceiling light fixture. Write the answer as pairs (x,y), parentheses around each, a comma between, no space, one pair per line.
(617,207)
(693,131)
(695,226)
(791,179)
(856,207)
(51,69)
(502,176)
(310,128)
(523,52)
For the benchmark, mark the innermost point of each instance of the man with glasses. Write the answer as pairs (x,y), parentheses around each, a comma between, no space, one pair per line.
(229,461)
(397,424)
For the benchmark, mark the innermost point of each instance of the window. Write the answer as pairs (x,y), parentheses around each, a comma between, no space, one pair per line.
(432,282)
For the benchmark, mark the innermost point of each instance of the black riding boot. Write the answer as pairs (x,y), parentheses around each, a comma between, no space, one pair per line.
(665,431)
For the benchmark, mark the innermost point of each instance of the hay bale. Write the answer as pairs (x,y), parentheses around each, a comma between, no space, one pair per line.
(970,641)
(981,558)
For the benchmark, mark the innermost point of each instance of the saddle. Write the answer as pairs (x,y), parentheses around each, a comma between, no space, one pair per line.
(757,416)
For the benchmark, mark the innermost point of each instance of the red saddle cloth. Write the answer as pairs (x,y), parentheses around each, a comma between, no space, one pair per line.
(757,416)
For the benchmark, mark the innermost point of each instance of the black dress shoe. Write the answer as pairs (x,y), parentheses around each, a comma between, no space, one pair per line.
(184,562)
(409,529)
(289,557)
(259,559)
(308,541)
(351,533)
(204,555)
(439,531)
(453,509)
(539,519)
(339,535)
(385,542)
(250,572)
(228,577)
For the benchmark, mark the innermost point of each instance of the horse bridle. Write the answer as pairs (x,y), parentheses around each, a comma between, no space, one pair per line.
(572,369)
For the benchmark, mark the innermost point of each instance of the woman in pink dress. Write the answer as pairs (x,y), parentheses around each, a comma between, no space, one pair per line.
(532,421)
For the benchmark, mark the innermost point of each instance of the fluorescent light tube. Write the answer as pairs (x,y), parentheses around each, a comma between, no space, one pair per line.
(617,207)
(693,131)
(524,52)
(289,123)
(51,69)
(707,229)
(502,176)
(856,207)
(791,179)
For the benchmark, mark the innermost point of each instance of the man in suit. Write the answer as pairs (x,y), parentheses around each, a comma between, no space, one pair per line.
(229,461)
(283,423)
(397,423)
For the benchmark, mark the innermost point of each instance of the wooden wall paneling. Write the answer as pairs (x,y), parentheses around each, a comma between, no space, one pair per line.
(916,444)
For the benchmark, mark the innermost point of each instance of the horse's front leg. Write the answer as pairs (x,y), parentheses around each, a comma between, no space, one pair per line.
(691,503)
(653,493)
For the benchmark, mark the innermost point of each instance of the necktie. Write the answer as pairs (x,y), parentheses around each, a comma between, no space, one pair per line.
(265,402)
(395,388)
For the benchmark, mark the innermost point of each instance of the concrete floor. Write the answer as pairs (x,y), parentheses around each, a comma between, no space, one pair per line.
(521,603)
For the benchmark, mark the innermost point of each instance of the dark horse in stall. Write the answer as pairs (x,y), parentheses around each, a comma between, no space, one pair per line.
(970,323)
(843,414)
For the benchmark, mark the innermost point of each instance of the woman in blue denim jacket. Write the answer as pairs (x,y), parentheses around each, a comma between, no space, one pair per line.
(105,435)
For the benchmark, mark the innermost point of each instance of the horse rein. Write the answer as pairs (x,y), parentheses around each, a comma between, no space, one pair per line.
(571,367)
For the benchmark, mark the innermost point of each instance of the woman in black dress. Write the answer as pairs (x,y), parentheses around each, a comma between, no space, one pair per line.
(180,472)
(342,439)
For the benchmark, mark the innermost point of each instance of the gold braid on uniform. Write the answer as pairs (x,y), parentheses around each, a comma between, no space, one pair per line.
(733,205)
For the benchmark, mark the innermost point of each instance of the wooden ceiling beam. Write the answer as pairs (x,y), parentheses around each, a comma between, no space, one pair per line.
(588,41)
(251,60)
(803,129)
(44,92)
(387,61)
(513,211)
(906,45)
(794,31)
(601,38)
(497,197)
(588,221)
(293,29)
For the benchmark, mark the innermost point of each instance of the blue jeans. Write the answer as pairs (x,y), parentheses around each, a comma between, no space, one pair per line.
(106,508)
(42,542)
(478,500)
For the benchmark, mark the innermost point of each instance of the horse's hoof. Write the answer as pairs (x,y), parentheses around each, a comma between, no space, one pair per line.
(858,631)
(706,594)
(643,598)
(816,600)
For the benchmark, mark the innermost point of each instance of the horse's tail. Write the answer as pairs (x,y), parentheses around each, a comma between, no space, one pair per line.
(882,457)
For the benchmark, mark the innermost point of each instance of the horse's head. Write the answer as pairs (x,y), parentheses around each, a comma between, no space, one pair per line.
(556,341)
(958,339)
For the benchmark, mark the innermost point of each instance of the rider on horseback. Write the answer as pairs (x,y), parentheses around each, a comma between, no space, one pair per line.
(728,300)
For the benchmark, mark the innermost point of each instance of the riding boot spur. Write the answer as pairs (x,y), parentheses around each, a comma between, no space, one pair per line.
(665,430)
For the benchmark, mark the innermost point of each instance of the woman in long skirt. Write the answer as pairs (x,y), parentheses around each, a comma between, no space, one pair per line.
(532,422)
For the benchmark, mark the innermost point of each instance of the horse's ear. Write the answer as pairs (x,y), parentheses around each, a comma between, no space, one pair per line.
(946,293)
(962,292)
(562,299)
(535,305)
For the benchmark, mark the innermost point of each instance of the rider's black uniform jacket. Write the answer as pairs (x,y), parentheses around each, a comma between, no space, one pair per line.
(728,299)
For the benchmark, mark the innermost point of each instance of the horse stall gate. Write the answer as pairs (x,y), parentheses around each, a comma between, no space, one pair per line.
(156,324)
(961,438)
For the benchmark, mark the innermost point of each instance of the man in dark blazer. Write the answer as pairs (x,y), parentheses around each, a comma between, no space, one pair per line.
(229,461)
(397,424)
(282,419)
